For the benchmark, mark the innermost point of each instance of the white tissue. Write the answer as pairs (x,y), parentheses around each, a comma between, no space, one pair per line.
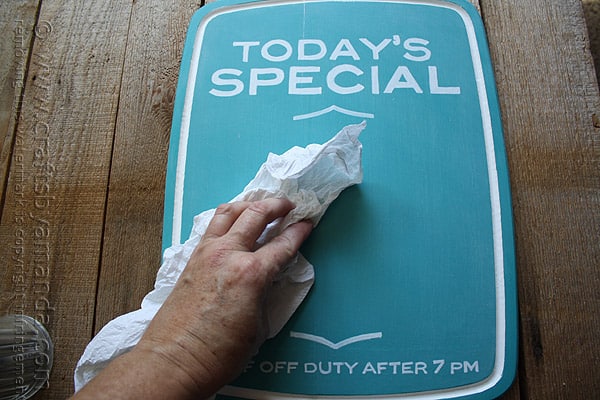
(311,177)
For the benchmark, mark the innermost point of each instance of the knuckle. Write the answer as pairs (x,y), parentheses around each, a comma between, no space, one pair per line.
(214,252)
(224,209)
(285,245)
(262,208)
(250,269)
(249,263)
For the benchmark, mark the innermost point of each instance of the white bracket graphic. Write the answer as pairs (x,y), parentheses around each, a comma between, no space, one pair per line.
(331,109)
(338,345)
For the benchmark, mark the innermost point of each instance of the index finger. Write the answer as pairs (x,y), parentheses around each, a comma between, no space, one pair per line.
(255,218)
(282,248)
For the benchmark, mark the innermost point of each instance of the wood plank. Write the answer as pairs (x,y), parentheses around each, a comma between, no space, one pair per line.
(52,221)
(17,18)
(549,100)
(132,242)
(591,11)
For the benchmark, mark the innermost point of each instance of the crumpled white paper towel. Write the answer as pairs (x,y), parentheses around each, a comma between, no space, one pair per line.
(311,177)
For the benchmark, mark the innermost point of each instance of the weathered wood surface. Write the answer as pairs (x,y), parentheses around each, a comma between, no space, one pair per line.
(54,206)
(85,108)
(550,105)
(141,139)
(17,21)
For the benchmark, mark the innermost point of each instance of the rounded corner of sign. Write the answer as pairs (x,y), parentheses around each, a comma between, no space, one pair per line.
(502,386)
(508,375)
(495,384)
(209,11)
(465,5)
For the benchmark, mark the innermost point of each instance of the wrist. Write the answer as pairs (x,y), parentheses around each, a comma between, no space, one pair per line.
(202,356)
(141,374)
(174,370)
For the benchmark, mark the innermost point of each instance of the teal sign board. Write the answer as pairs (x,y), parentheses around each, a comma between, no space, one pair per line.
(415,268)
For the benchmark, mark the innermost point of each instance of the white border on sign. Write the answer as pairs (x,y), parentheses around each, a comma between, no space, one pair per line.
(499,362)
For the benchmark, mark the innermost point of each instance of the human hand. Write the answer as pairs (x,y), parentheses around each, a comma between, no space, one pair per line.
(214,320)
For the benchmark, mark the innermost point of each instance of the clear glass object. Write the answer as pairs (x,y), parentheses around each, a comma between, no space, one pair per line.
(26,355)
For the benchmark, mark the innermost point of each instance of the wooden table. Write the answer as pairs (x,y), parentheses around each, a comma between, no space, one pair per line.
(85,110)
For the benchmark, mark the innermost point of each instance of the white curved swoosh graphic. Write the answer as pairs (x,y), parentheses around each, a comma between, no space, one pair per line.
(331,109)
(338,345)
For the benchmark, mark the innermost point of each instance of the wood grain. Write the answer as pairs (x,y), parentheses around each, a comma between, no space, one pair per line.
(52,220)
(132,240)
(17,21)
(549,100)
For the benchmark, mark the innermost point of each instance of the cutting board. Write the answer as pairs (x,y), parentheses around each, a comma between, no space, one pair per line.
(415,292)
